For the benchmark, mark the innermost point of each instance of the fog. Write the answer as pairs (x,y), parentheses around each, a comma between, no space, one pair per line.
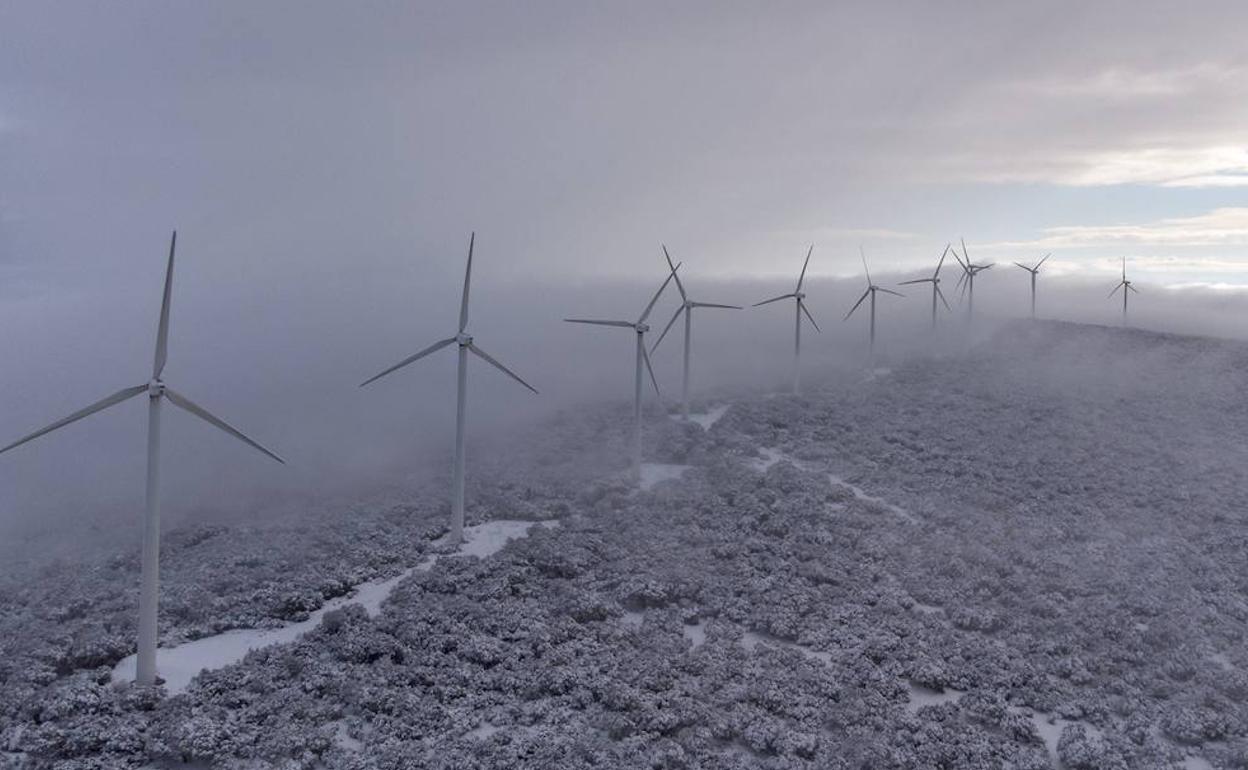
(325,166)
(282,360)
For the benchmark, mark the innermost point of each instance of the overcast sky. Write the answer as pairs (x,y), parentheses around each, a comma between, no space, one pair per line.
(336,137)
(325,163)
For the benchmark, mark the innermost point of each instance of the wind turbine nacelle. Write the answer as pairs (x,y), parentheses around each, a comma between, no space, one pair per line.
(464,340)
(801,295)
(155,389)
(642,328)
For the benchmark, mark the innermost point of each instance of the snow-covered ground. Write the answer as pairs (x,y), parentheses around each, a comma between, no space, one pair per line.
(1031,555)
(179,664)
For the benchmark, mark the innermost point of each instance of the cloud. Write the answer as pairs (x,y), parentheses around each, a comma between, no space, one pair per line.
(1220,227)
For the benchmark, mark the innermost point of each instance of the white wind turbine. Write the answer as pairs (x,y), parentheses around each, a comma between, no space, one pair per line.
(643,360)
(800,297)
(466,345)
(871,291)
(1034,272)
(686,307)
(967,281)
(1126,287)
(157,392)
(935,281)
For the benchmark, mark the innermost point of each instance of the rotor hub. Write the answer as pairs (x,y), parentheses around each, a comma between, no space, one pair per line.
(800,296)
(642,328)
(155,388)
(464,340)
(688,304)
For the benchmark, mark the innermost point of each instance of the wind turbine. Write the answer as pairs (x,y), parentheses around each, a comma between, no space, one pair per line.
(935,281)
(871,290)
(967,281)
(800,297)
(466,346)
(157,392)
(1126,287)
(643,359)
(686,307)
(1034,272)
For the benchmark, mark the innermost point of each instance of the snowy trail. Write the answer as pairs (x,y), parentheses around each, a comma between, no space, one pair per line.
(710,417)
(653,473)
(772,456)
(180,664)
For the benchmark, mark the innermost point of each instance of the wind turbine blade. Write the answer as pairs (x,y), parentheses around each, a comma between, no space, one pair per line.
(965,254)
(916,280)
(961,264)
(985,267)
(809,317)
(1124,269)
(659,293)
(889,291)
(100,405)
(653,380)
(941,294)
(666,329)
(1028,269)
(716,304)
(432,348)
(1115,290)
(961,280)
(802,277)
(1132,288)
(941,263)
(773,299)
(626,324)
(863,254)
(679,286)
(463,305)
(183,402)
(489,360)
(1041,262)
(162,329)
(856,304)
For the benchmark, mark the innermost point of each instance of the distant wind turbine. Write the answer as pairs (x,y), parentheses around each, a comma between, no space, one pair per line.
(871,290)
(466,346)
(935,281)
(643,360)
(686,307)
(967,281)
(157,392)
(1126,287)
(1034,272)
(800,297)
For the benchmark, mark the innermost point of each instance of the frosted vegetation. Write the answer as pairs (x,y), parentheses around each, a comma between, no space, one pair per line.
(1033,554)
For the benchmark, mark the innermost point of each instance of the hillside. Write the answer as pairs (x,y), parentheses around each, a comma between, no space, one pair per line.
(1029,554)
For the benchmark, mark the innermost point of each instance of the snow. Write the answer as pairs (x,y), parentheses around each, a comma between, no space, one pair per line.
(654,473)
(921,697)
(769,458)
(710,417)
(866,498)
(695,633)
(180,664)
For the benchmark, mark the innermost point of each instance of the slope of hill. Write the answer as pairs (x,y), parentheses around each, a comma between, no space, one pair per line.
(1032,554)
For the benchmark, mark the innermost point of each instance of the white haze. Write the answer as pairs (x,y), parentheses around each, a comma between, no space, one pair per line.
(283,360)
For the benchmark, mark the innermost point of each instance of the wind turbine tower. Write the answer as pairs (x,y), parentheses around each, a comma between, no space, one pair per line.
(1126,287)
(935,282)
(1034,272)
(467,345)
(686,307)
(640,327)
(872,288)
(800,298)
(157,392)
